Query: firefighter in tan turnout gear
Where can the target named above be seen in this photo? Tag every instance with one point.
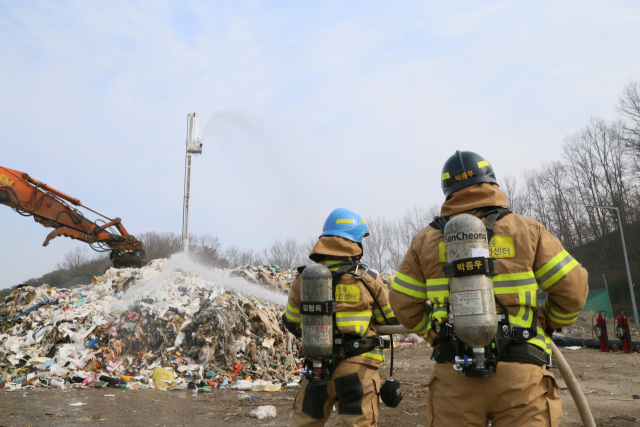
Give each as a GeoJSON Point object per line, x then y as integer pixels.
{"type": "Point", "coordinates": [354, 383]}
{"type": "Point", "coordinates": [520, 391]}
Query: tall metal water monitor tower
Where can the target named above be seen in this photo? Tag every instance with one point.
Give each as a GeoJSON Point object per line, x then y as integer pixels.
{"type": "Point", "coordinates": [194, 146]}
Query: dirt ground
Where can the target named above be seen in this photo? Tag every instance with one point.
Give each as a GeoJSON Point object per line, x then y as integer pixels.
{"type": "Point", "coordinates": [609, 381]}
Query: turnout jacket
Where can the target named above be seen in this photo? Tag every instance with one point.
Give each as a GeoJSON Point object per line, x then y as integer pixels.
{"type": "Point", "coordinates": [356, 307]}
{"type": "Point", "coordinates": [529, 258]}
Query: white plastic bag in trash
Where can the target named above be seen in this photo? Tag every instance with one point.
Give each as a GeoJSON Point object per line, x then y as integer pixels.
{"type": "Point", "coordinates": [263, 412]}
{"type": "Point", "coordinates": [242, 385]}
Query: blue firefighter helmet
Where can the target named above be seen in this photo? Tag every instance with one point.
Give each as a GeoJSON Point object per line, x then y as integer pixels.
{"type": "Point", "coordinates": [345, 223]}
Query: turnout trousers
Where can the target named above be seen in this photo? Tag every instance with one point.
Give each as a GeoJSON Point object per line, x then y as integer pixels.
{"type": "Point", "coordinates": [520, 394]}
{"type": "Point", "coordinates": [354, 388]}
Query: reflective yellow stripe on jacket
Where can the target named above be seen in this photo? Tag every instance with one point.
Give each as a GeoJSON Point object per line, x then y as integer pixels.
{"type": "Point", "coordinates": [555, 269]}
{"type": "Point", "coordinates": [523, 284]}
{"type": "Point", "coordinates": [541, 340]}
{"type": "Point", "coordinates": [409, 286]}
{"type": "Point", "coordinates": [293, 314]}
{"type": "Point", "coordinates": [437, 291]}
{"type": "Point", "coordinates": [556, 316]}
{"type": "Point", "coordinates": [358, 319]}
{"type": "Point", "coordinates": [327, 263]}
{"type": "Point", "coordinates": [376, 354]}
{"type": "Point", "coordinates": [388, 313]}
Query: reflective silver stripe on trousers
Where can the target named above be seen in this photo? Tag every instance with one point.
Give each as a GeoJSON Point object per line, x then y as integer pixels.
{"type": "Point", "coordinates": [549, 274]}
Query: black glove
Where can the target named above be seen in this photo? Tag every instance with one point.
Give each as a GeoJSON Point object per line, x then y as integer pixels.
{"type": "Point", "coordinates": [390, 393]}
{"type": "Point", "coordinates": [549, 330]}
{"type": "Point", "coordinates": [291, 327]}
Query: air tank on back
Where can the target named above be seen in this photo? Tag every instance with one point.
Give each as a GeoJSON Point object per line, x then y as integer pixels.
{"type": "Point", "coordinates": [471, 298]}
{"type": "Point", "coordinates": [317, 330]}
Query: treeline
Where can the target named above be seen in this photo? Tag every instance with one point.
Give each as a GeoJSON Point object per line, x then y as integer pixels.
{"type": "Point", "coordinates": [384, 248]}
{"type": "Point", "coordinates": [599, 166]}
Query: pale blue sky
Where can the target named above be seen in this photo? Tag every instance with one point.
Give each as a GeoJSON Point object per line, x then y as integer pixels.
{"type": "Point", "coordinates": [315, 105]}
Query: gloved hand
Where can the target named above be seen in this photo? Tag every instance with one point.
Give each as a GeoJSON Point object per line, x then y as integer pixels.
{"type": "Point", "coordinates": [390, 393]}
{"type": "Point", "coordinates": [291, 327]}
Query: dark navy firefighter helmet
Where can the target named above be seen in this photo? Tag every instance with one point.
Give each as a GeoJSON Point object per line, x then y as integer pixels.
{"type": "Point", "coordinates": [463, 169]}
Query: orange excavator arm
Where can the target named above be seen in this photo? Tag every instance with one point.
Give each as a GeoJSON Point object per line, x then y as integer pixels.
{"type": "Point", "coordinates": [53, 208]}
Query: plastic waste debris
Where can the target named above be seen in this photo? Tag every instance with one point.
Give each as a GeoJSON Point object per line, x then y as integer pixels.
{"type": "Point", "coordinates": [165, 325]}
{"type": "Point", "coordinates": [261, 385]}
{"type": "Point", "coordinates": [242, 385]}
{"type": "Point", "coordinates": [263, 412]}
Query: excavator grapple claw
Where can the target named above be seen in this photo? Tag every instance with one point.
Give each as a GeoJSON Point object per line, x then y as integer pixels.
{"type": "Point", "coordinates": [53, 208]}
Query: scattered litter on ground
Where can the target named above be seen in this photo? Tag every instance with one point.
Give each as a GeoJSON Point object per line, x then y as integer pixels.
{"type": "Point", "coordinates": [263, 412]}
{"type": "Point", "coordinates": [573, 347]}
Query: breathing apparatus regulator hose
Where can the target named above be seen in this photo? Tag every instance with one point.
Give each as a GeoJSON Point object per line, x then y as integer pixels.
{"type": "Point", "coordinates": [563, 367]}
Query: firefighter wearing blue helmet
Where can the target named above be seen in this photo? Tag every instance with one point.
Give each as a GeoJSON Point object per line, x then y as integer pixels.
{"type": "Point", "coordinates": [347, 224]}
{"type": "Point", "coordinates": [354, 383]}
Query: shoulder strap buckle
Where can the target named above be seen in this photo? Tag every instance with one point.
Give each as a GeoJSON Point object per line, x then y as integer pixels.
{"type": "Point", "coordinates": [365, 268]}
{"type": "Point", "coordinates": [439, 222]}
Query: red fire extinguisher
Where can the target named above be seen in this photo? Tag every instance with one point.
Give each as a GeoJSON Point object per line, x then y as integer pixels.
{"type": "Point", "coordinates": [601, 331]}
{"type": "Point", "coordinates": [622, 332]}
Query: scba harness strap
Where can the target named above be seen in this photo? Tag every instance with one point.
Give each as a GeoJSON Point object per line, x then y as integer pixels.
{"type": "Point", "coordinates": [490, 218]}
{"type": "Point", "coordinates": [348, 388]}
{"type": "Point", "coordinates": [510, 342]}
{"type": "Point", "coordinates": [343, 347]}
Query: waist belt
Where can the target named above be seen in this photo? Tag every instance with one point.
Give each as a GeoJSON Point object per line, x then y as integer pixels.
{"type": "Point", "coordinates": [358, 347]}
{"type": "Point", "coordinates": [523, 353]}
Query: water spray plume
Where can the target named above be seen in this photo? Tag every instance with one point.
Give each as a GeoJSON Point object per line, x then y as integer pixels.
{"type": "Point", "coordinates": [205, 277]}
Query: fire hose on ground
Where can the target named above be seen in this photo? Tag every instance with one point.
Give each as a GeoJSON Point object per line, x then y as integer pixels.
{"type": "Point", "coordinates": [563, 367]}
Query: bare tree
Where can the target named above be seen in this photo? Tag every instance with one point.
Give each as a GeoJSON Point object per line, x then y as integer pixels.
{"type": "Point", "coordinates": [160, 244]}
{"type": "Point", "coordinates": [403, 230]}
{"type": "Point", "coordinates": [629, 108]}
{"type": "Point", "coordinates": [283, 254]}
{"type": "Point", "coordinates": [597, 162]}
{"type": "Point", "coordinates": [74, 258]}
{"type": "Point", "coordinates": [376, 246]}
{"type": "Point", "coordinates": [304, 250]}
{"type": "Point", "coordinates": [206, 249]}
{"type": "Point", "coordinates": [233, 257]}
{"type": "Point", "coordinates": [516, 198]}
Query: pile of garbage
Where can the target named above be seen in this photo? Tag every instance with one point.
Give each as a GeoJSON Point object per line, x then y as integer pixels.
{"type": "Point", "coordinates": [169, 324]}
{"type": "Point", "coordinates": [272, 276]}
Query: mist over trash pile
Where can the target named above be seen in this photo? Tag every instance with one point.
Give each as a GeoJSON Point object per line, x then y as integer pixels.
{"type": "Point", "coordinates": [197, 273]}
{"type": "Point", "coordinates": [172, 323]}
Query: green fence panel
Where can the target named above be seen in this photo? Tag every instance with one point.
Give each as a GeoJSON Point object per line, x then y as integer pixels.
{"type": "Point", "coordinates": [597, 300]}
